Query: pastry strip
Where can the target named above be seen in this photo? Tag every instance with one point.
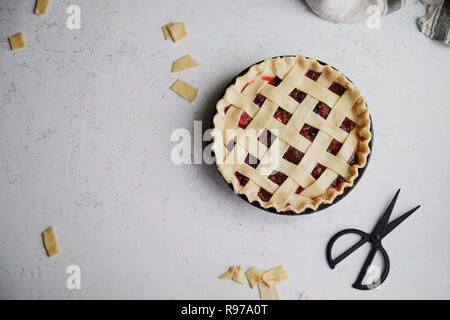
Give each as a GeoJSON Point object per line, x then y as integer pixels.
{"type": "Point", "coordinates": [184, 90]}
{"type": "Point", "coordinates": [177, 31]}
{"type": "Point", "coordinates": [17, 41]}
{"type": "Point", "coordinates": [235, 273]}
{"type": "Point", "coordinates": [184, 63]}
{"type": "Point", "coordinates": [50, 242]}
{"type": "Point", "coordinates": [41, 6]}
{"type": "Point", "coordinates": [165, 29]}
{"type": "Point", "coordinates": [268, 293]}
{"type": "Point", "coordinates": [254, 275]}
{"type": "Point", "coordinates": [267, 281]}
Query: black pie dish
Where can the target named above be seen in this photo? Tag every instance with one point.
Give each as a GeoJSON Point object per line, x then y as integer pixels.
{"type": "Point", "coordinates": [307, 211]}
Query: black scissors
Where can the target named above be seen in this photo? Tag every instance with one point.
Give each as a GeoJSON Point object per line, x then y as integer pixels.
{"type": "Point", "coordinates": [382, 229]}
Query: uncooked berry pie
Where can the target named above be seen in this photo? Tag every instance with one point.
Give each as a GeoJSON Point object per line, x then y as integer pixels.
{"type": "Point", "coordinates": [291, 134]}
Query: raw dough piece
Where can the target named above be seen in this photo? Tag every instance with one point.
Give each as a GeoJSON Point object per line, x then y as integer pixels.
{"type": "Point", "coordinates": [254, 276]}
{"type": "Point", "coordinates": [275, 275]}
{"type": "Point", "coordinates": [239, 275]}
{"type": "Point", "coordinates": [184, 63]}
{"type": "Point", "coordinates": [234, 273]}
{"type": "Point", "coordinates": [268, 293]}
{"type": "Point", "coordinates": [166, 31]}
{"type": "Point", "coordinates": [184, 90]}
{"type": "Point", "coordinates": [267, 281]}
{"type": "Point", "coordinates": [229, 273]}
{"type": "Point", "coordinates": [41, 6]}
{"type": "Point", "coordinates": [177, 31]}
{"type": "Point", "coordinates": [50, 242]}
{"type": "Point", "coordinates": [17, 41]}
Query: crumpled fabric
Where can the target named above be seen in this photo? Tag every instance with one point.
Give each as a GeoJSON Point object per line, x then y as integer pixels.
{"type": "Point", "coordinates": [435, 24]}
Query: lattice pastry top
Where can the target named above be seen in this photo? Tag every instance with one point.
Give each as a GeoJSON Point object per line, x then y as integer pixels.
{"type": "Point", "coordinates": [291, 134]}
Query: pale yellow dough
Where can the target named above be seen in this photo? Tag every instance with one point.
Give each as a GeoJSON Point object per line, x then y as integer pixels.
{"type": "Point", "coordinates": [254, 275]}
{"type": "Point", "coordinates": [184, 90]}
{"type": "Point", "coordinates": [17, 41]}
{"type": "Point", "coordinates": [268, 293]}
{"type": "Point", "coordinates": [41, 6]}
{"type": "Point", "coordinates": [184, 63]}
{"type": "Point", "coordinates": [166, 31]}
{"type": "Point", "coordinates": [275, 275]}
{"type": "Point", "coordinates": [235, 273]}
{"type": "Point", "coordinates": [267, 281]}
{"type": "Point", "coordinates": [177, 31]}
{"type": "Point", "coordinates": [50, 242]}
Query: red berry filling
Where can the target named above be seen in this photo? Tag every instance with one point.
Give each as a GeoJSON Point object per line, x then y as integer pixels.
{"type": "Point", "coordinates": [252, 161]}
{"type": "Point", "coordinates": [293, 155]}
{"type": "Point", "coordinates": [266, 138]}
{"type": "Point", "coordinates": [299, 190]}
{"type": "Point", "coordinates": [259, 100]}
{"type": "Point", "coordinates": [347, 125]}
{"type": "Point", "coordinates": [244, 120]}
{"type": "Point", "coordinates": [322, 110]}
{"type": "Point", "coordinates": [226, 108]}
{"type": "Point", "coordinates": [282, 115]}
{"type": "Point", "coordinates": [354, 158]}
{"type": "Point", "coordinates": [337, 182]}
{"type": "Point", "coordinates": [277, 177]}
{"type": "Point", "coordinates": [318, 170]}
{"type": "Point", "coordinates": [309, 132]}
{"type": "Point", "coordinates": [297, 95]}
{"type": "Point", "coordinates": [264, 195]}
{"type": "Point", "coordinates": [241, 178]}
{"type": "Point", "coordinates": [313, 74]}
{"type": "Point", "coordinates": [334, 147]}
{"type": "Point", "coordinates": [274, 81]}
{"type": "Point", "coordinates": [247, 84]}
{"type": "Point", "coordinates": [230, 145]}
{"type": "Point", "coordinates": [337, 88]}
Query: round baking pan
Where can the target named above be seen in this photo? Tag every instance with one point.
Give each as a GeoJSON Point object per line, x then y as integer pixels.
{"type": "Point", "coordinates": [321, 207]}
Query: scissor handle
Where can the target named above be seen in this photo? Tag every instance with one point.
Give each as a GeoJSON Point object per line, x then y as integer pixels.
{"type": "Point", "coordinates": [376, 246]}
{"type": "Point", "coordinates": [365, 237]}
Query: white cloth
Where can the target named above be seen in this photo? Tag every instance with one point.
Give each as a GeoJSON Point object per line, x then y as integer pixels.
{"type": "Point", "coordinates": [352, 10]}
{"type": "Point", "coordinates": [435, 24]}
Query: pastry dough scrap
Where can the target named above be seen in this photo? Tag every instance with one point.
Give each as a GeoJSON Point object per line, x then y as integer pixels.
{"type": "Point", "coordinates": [229, 273]}
{"type": "Point", "coordinates": [238, 276]}
{"type": "Point", "coordinates": [268, 293]}
{"type": "Point", "coordinates": [267, 281]}
{"type": "Point", "coordinates": [235, 273]}
{"type": "Point", "coordinates": [41, 6]}
{"type": "Point", "coordinates": [17, 41]}
{"type": "Point", "coordinates": [184, 63]}
{"type": "Point", "coordinates": [254, 275]}
{"type": "Point", "coordinates": [184, 90]}
{"type": "Point", "coordinates": [166, 31]}
{"type": "Point", "coordinates": [274, 276]}
{"type": "Point", "coordinates": [50, 242]}
{"type": "Point", "coordinates": [177, 31]}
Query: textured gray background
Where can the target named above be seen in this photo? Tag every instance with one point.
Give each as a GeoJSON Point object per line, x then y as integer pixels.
{"type": "Point", "coordinates": [85, 123]}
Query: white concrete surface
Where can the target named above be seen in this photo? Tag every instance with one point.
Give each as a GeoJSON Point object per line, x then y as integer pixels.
{"type": "Point", "coordinates": [85, 123]}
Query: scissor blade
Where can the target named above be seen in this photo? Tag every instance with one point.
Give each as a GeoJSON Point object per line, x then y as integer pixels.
{"type": "Point", "coordinates": [382, 223]}
{"type": "Point", "coordinates": [394, 224]}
